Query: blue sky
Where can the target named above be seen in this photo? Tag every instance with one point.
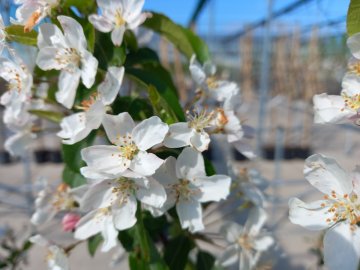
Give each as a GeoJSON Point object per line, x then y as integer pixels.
{"type": "Point", "coordinates": [230, 15]}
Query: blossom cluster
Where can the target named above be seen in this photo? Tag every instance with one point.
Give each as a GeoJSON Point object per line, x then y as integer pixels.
{"type": "Point", "coordinates": [125, 174]}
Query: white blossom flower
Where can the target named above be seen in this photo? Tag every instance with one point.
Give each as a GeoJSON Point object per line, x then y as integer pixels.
{"type": "Point", "coordinates": [129, 149]}
{"type": "Point", "coordinates": [19, 143]}
{"type": "Point", "coordinates": [56, 257]}
{"type": "Point", "coordinates": [19, 83]}
{"type": "Point", "coordinates": [191, 133]}
{"type": "Point", "coordinates": [118, 15]}
{"type": "Point", "coordinates": [246, 243]}
{"type": "Point", "coordinates": [338, 212]}
{"type": "Point", "coordinates": [187, 186]}
{"type": "Point", "coordinates": [115, 204]}
{"type": "Point", "coordinates": [31, 12]}
{"type": "Point", "coordinates": [204, 77]}
{"type": "Point", "coordinates": [49, 202]}
{"type": "Point", "coordinates": [77, 126]}
{"type": "Point", "coordinates": [66, 52]}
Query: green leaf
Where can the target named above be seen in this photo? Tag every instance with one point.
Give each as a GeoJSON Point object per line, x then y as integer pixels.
{"type": "Point", "coordinates": [209, 167]}
{"type": "Point", "coordinates": [161, 80]}
{"type": "Point", "coordinates": [71, 153]}
{"type": "Point", "coordinates": [353, 18]}
{"type": "Point", "coordinates": [138, 108]}
{"type": "Point", "coordinates": [72, 178]}
{"type": "Point", "coordinates": [130, 40]}
{"type": "Point", "coordinates": [93, 243]}
{"type": "Point", "coordinates": [204, 261]}
{"type": "Point", "coordinates": [119, 56]}
{"type": "Point", "coordinates": [104, 49]}
{"type": "Point", "coordinates": [86, 7]}
{"type": "Point", "coordinates": [16, 33]}
{"type": "Point", "coordinates": [177, 252]}
{"type": "Point", "coordinates": [127, 240]}
{"type": "Point", "coordinates": [55, 117]}
{"type": "Point", "coordinates": [142, 56]}
{"type": "Point", "coordinates": [186, 41]}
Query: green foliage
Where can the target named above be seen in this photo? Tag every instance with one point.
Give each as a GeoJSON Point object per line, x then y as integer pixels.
{"type": "Point", "coordinates": [142, 56]}
{"type": "Point", "coordinates": [353, 18]}
{"type": "Point", "coordinates": [204, 261]}
{"type": "Point", "coordinates": [138, 108]}
{"type": "Point", "coordinates": [177, 252]}
{"type": "Point", "coordinates": [185, 40]}
{"type": "Point", "coordinates": [16, 33]}
{"type": "Point", "coordinates": [93, 243]}
{"type": "Point", "coordinates": [155, 77]}
{"type": "Point", "coordinates": [52, 116]}
{"type": "Point", "coordinates": [73, 161]}
{"type": "Point", "coordinates": [85, 7]}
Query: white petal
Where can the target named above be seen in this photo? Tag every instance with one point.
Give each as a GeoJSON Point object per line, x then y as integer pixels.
{"type": "Point", "coordinates": [255, 221]}
{"type": "Point", "coordinates": [145, 163]}
{"type": "Point", "coordinates": [89, 66]}
{"type": "Point", "coordinates": [350, 84]}
{"type": "Point", "coordinates": [353, 43]}
{"type": "Point", "coordinates": [190, 164]}
{"type": "Point", "coordinates": [326, 175]}
{"type": "Point", "coordinates": [124, 214]}
{"type": "Point", "coordinates": [109, 234]}
{"type": "Point", "coordinates": [330, 109]}
{"type": "Point", "coordinates": [19, 143]}
{"type": "Point", "coordinates": [68, 83]}
{"type": "Point", "coordinates": [244, 148]}
{"type": "Point", "coordinates": [89, 225]}
{"type": "Point", "coordinates": [97, 196]}
{"type": "Point", "coordinates": [230, 256]}
{"type": "Point", "coordinates": [43, 215]}
{"type": "Point", "coordinates": [197, 74]}
{"type": "Point", "coordinates": [118, 125]}
{"type": "Point", "coordinates": [50, 36]}
{"type": "Point", "coordinates": [73, 128]}
{"type": "Point", "coordinates": [117, 35]}
{"type": "Point", "coordinates": [166, 174]}
{"type": "Point", "coordinates": [105, 158]}
{"type": "Point", "coordinates": [342, 247]}
{"type": "Point", "coordinates": [190, 215]}
{"type": "Point", "coordinates": [311, 216]}
{"type": "Point", "coordinates": [232, 231]}
{"type": "Point", "coordinates": [101, 23]}
{"type": "Point", "coordinates": [39, 240]}
{"type": "Point", "coordinates": [200, 141]}
{"type": "Point", "coordinates": [149, 132]}
{"type": "Point", "coordinates": [110, 87]}
{"type": "Point", "coordinates": [224, 90]}
{"type": "Point", "coordinates": [154, 195]}
{"type": "Point", "coordinates": [213, 188]}
{"type": "Point", "coordinates": [46, 59]}
{"type": "Point", "coordinates": [179, 135]}
{"type": "Point", "coordinates": [95, 115]}
{"type": "Point", "coordinates": [73, 33]}
{"type": "Point", "coordinates": [263, 242]}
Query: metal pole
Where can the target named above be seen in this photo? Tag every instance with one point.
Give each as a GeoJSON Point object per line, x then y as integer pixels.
{"type": "Point", "coordinates": [264, 79]}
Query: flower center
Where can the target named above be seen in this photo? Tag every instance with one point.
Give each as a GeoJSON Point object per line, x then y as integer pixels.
{"type": "Point", "coordinates": [244, 242]}
{"type": "Point", "coordinates": [32, 21]}
{"type": "Point", "coordinates": [87, 103]}
{"type": "Point", "coordinates": [62, 199]}
{"type": "Point", "coordinates": [201, 120]}
{"type": "Point", "coordinates": [183, 190]}
{"type": "Point", "coordinates": [355, 68]}
{"type": "Point", "coordinates": [342, 208]}
{"type": "Point", "coordinates": [123, 189]}
{"type": "Point", "coordinates": [119, 19]}
{"type": "Point", "coordinates": [127, 148]}
{"type": "Point", "coordinates": [351, 102]}
{"type": "Point", "coordinates": [221, 119]}
{"type": "Point", "coordinates": [212, 82]}
{"type": "Point", "coordinates": [68, 58]}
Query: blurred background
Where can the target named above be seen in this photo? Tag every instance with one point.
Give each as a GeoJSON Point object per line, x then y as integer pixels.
{"type": "Point", "coordinates": [281, 53]}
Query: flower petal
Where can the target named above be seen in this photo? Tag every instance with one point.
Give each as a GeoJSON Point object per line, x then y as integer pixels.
{"type": "Point", "coordinates": [326, 175]}
{"type": "Point", "coordinates": [231, 231]}
{"type": "Point", "coordinates": [255, 221]}
{"type": "Point", "coordinates": [342, 247]}
{"type": "Point", "coordinates": [89, 65]}
{"type": "Point", "coordinates": [110, 87]}
{"type": "Point", "coordinates": [154, 195]}
{"type": "Point", "coordinates": [89, 225]}
{"type": "Point", "coordinates": [124, 213]}
{"type": "Point", "coordinates": [312, 216]}
{"type": "Point", "coordinates": [353, 43]}
{"type": "Point", "coordinates": [213, 188]}
{"type": "Point", "coordinates": [149, 132]}
{"type": "Point", "coordinates": [166, 174]}
{"type": "Point", "coordinates": [73, 33]}
{"type": "Point", "coordinates": [145, 163]}
{"type": "Point", "coordinates": [190, 215]}
{"type": "Point", "coordinates": [118, 125]}
{"type": "Point", "coordinates": [200, 141]}
{"type": "Point", "coordinates": [110, 234]}
{"type": "Point", "coordinates": [105, 158]}
{"type": "Point", "coordinates": [101, 23]}
{"type": "Point", "coordinates": [117, 35]}
{"type": "Point", "coordinates": [179, 135]}
{"type": "Point", "coordinates": [97, 196]}
{"type": "Point", "coordinates": [230, 256]}
{"type": "Point", "coordinates": [190, 164]}
{"type": "Point", "coordinates": [50, 36]}
{"type": "Point", "coordinates": [68, 83]}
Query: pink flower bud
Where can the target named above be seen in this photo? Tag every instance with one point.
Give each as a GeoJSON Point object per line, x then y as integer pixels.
{"type": "Point", "coordinates": [69, 221]}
